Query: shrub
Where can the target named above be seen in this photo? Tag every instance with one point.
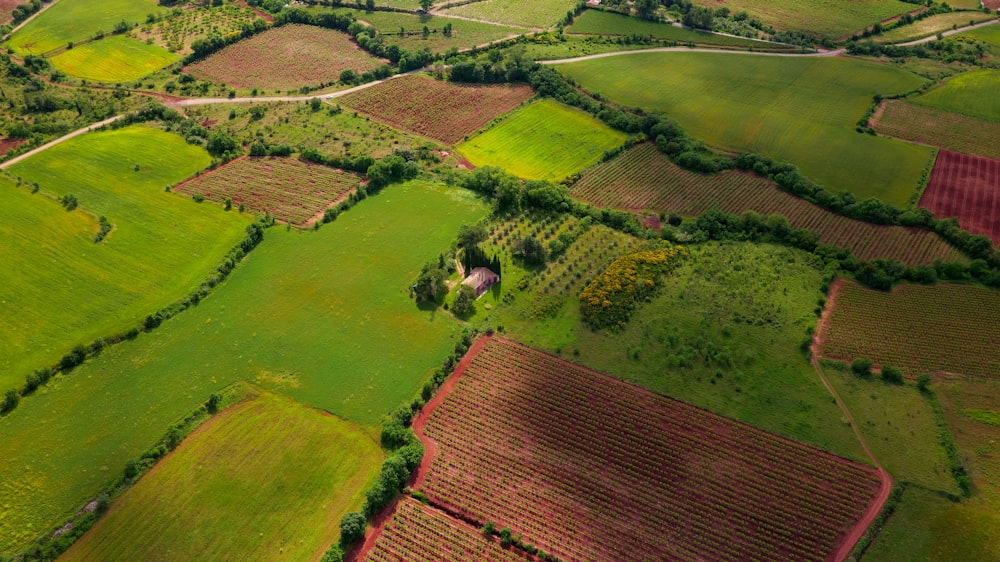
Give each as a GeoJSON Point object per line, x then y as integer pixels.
{"type": "Point", "coordinates": [892, 374]}
{"type": "Point", "coordinates": [862, 367]}
{"type": "Point", "coordinates": [352, 528]}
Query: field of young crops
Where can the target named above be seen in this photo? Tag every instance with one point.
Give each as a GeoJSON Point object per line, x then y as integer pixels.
{"type": "Point", "coordinates": [113, 59]}
{"type": "Point", "coordinates": [930, 26]}
{"type": "Point", "coordinates": [966, 187]}
{"type": "Point", "coordinates": [833, 18]}
{"type": "Point", "coordinates": [971, 93]}
{"type": "Point", "coordinates": [937, 127]}
{"type": "Point", "coordinates": [266, 479]}
{"type": "Point", "coordinates": [598, 22]}
{"type": "Point", "coordinates": [286, 57]}
{"type": "Point", "coordinates": [545, 140]}
{"type": "Point", "coordinates": [524, 13]}
{"type": "Point", "coordinates": [437, 109]}
{"type": "Point", "coordinates": [643, 178]}
{"type": "Point", "coordinates": [946, 328]}
{"type": "Point", "coordinates": [69, 21]}
{"type": "Point", "coordinates": [588, 467]}
{"type": "Point", "coordinates": [176, 33]}
{"type": "Point", "coordinates": [799, 110]}
{"type": "Point", "coordinates": [290, 189]}
{"type": "Point", "coordinates": [418, 533]}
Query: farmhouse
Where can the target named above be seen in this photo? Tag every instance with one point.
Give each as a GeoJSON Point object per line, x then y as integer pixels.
{"type": "Point", "coordinates": [481, 279]}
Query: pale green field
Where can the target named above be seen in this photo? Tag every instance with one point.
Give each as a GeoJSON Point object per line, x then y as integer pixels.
{"type": "Point", "coordinates": [59, 288]}
{"type": "Point", "coordinates": [114, 59]}
{"type": "Point", "coordinates": [597, 22]}
{"type": "Point", "coordinates": [75, 20]}
{"type": "Point", "coordinates": [545, 140]}
{"type": "Point", "coordinates": [989, 34]}
{"type": "Point", "coordinates": [834, 18]}
{"type": "Point", "coordinates": [524, 13]}
{"type": "Point", "coordinates": [931, 25]}
{"type": "Point", "coordinates": [266, 479]}
{"type": "Point", "coordinates": [973, 93]}
{"type": "Point", "coordinates": [800, 110]}
{"type": "Point", "coordinates": [324, 317]}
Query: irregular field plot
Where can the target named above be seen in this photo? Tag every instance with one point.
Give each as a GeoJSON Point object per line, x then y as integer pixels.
{"type": "Point", "coordinates": [817, 17]}
{"type": "Point", "coordinates": [290, 189]}
{"type": "Point", "coordinates": [545, 141]}
{"type": "Point", "coordinates": [527, 13]}
{"type": "Point", "coordinates": [989, 34]}
{"type": "Point", "coordinates": [267, 479]}
{"type": "Point", "coordinates": [972, 93]}
{"type": "Point", "coordinates": [800, 110]}
{"type": "Point", "coordinates": [937, 127]}
{"type": "Point", "coordinates": [176, 33]}
{"type": "Point", "coordinates": [921, 329]}
{"type": "Point", "coordinates": [929, 26]}
{"type": "Point", "coordinates": [437, 109]}
{"type": "Point", "coordinates": [61, 289]}
{"type": "Point", "coordinates": [464, 33]}
{"type": "Point", "coordinates": [417, 533]}
{"type": "Point", "coordinates": [76, 20]}
{"type": "Point", "coordinates": [598, 22]}
{"type": "Point", "coordinates": [644, 178]}
{"type": "Point", "coordinates": [966, 187]}
{"type": "Point", "coordinates": [591, 468]}
{"type": "Point", "coordinates": [324, 317]}
{"type": "Point", "coordinates": [287, 57]}
{"type": "Point", "coordinates": [115, 59]}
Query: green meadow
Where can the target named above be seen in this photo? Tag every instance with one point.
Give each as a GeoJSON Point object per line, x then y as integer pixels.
{"type": "Point", "coordinates": [60, 289]}
{"type": "Point", "coordinates": [324, 317]}
{"type": "Point", "coordinates": [115, 59]}
{"type": "Point", "coordinates": [989, 34]}
{"type": "Point", "coordinates": [834, 18]}
{"type": "Point", "coordinates": [266, 479]}
{"type": "Point", "coordinates": [597, 22]}
{"type": "Point", "coordinates": [69, 21]}
{"type": "Point", "coordinates": [800, 110]}
{"type": "Point", "coordinates": [464, 34]}
{"type": "Point", "coordinates": [973, 93]}
{"type": "Point", "coordinates": [545, 140]}
{"type": "Point", "coordinates": [524, 13]}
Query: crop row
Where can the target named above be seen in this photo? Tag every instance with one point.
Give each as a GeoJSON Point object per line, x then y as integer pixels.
{"type": "Point", "coordinates": [937, 127]}
{"type": "Point", "coordinates": [967, 187]}
{"type": "Point", "coordinates": [644, 178]}
{"type": "Point", "coordinates": [589, 467]}
{"type": "Point", "coordinates": [921, 329]}
{"type": "Point", "coordinates": [288, 188]}
{"type": "Point", "coordinates": [437, 109]}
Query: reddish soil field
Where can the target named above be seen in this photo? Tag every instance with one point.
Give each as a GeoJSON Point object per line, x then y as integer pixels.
{"type": "Point", "coordinates": [588, 467]}
{"type": "Point", "coordinates": [6, 145]}
{"type": "Point", "coordinates": [935, 127]}
{"type": "Point", "coordinates": [287, 57]}
{"type": "Point", "coordinates": [645, 179]}
{"type": "Point", "coordinates": [967, 187]}
{"type": "Point", "coordinates": [418, 533]}
{"type": "Point", "coordinates": [7, 9]}
{"type": "Point", "coordinates": [957, 329]}
{"type": "Point", "coordinates": [437, 109]}
{"type": "Point", "coordinates": [290, 189]}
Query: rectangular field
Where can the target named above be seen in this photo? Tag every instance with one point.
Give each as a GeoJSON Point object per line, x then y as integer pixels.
{"type": "Point", "coordinates": [643, 178]}
{"type": "Point", "coordinates": [799, 110]}
{"type": "Point", "coordinates": [944, 328]}
{"type": "Point", "coordinates": [440, 110]}
{"type": "Point", "coordinates": [834, 18]}
{"type": "Point", "coordinates": [113, 59]}
{"type": "Point", "coordinates": [75, 20]}
{"type": "Point", "coordinates": [588, 467]}
{"type": "Point", "coordinates": [286, 57]}
{"type": "Point", "coordinates": [598, 22]}
{"type": "Point", "coordinates": [937, 127]}
{"type": "Point", "coordinates": [464, 33]}
{"type": "Point", "coordinates": [523, 13]}
{"type": "Point", "coordinates": [266, 479]}
{"type": "Point", "coordinates": [545, 140]}
{"type": "Point", "coordinates": [966, 187]}
{"type": "Point", "coordinates": [291, 190]}
{"type": "Point", "coordinates": [971, 93]}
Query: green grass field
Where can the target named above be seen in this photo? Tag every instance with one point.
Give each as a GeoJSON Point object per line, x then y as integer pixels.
{"type": "Point", "coordinates": [465, 33]}
{"type": "Point", "coordinates": [266, 479]}
{"type": "Point", "coordinates": [545, 140]}
{"type": "Point", "coordinates": [61, 289]}
{"type": "Point", "coordinates": [801, 110]}
{"type": "Point", "coordinates": [324, 317]}
{"type": "Point", "coordinates": [973, 94]}
{"type": "Point", "coordinates": [597, 22]}
{"type": "Point", "coordinates": [989, 34]}
{"type": "Point", "coordinates": [115, 59]}
{"type": "Point", "coordinates": [834, 18]}
{"type": "Point", "coordinates": [930, 26]}
{"type": "Point", "coordinates": [76, 20]}
{"type": "Point", "coordinates": [523, 13]}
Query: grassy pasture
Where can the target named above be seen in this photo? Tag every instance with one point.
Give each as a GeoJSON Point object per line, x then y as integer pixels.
{"type": "Point", "coordinates": [834, 18]}
{"type": "Point", "coordinates": [930, 26]}
{"type": "Point", "coordinates": [544, 140]}
{"type": "Point", "coordinates": [61, 288]}
{"type": "Point", "coordinates": [989, 34]}
{"type": "Point", "coordinates": [973, 94]}
{"type": "Point", "coordinates": [266, 479]}
{"type": "Point", "coordinates": [523, 13]}
{"type": "Point", "coordinates": [465, 33]}
{"type": "Point", "coordinates": [801, 110]}
{"type": "Point", "coordinates": [324, 317]}
{"type": "Point", "coordinates": [597, 22]}
{"type": "Point", "coordinates": [76, 20]}
{"type": "Point", "coordinates": [114, 59]}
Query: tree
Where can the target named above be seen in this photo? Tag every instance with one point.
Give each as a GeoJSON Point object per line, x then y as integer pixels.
{"type": "Point", "coordinates": [10, 401]}
{"type": "Point", "coordinates": [892, 374]}
{"type": "Point", "coordinates": [646, 9]}
{"type": "Point", "coordinates": [862, 367]}
{"type": "Point", "coordinates": [425, 5]}
{"type": "Point", "coordinates": [220, 143]}
{"type": "Point", "coordinates": [465, 302]}
{"type": "Point", "coordinates": [530, 250]}
{"type": "Point", "coordinates": [471, 235]}
{"type": "Point", "coordinates": [348, 76]}
{"type": "Point", "coordinates": [352, 528]}
{"type": "Point", "coordinates": [430, 284]}
{"type": "Point", "coordinates": [922, 382]}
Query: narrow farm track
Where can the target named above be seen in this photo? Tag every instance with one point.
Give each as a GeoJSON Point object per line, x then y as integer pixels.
{"type": "Point", "coordinates": [948, 33]}
{"type": "Point", "coordinates": [61, 139]}
{"type": "Point", "coordinates": [835, 53]}
{"type": "Point", "coordinates": [849, 542]}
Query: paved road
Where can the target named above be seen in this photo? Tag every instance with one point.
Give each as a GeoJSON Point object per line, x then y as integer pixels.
{"type": "Point", "coordinates": [947, 33]}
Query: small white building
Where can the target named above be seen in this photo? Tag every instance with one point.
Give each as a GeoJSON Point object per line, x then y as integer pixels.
{"type": "Point", "coordinates": [481, 279]}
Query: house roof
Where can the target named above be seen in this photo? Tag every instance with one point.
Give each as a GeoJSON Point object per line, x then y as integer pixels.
{"type": "Point", "coordinates": [478, 276]}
